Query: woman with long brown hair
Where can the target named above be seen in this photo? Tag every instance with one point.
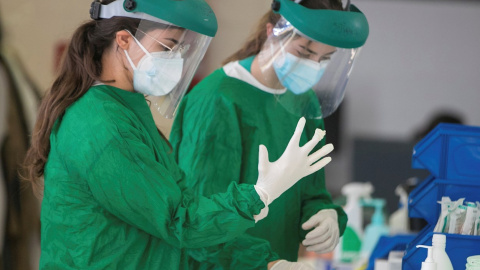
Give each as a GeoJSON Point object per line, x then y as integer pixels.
{"type": "Point", "coordinates": [113, 196]}
{"type": "Point", "coordinates": [295, 64]}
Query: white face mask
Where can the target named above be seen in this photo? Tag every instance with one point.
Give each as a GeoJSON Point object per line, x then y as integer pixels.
{"type": "Point", "coordinates": [157, 73]}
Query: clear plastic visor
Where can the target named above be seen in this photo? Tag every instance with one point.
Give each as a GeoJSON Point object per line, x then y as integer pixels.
{"type": "Point", "coordinates": [314, 74]}
{"type": "Point", "coordinates": [165, 58]}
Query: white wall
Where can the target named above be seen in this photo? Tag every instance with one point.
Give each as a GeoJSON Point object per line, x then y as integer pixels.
{"type": "Point", "coordinates": [421, 57]}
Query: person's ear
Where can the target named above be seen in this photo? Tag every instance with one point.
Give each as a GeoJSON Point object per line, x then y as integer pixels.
{"type": "Point", "coordinates": [269, 29]}
{"type": "Point", "coordinates": [123, 39]}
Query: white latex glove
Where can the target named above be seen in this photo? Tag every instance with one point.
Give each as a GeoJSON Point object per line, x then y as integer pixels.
{"type": "Point", "coordinates": [286, 265]}
{"type": "Point", "coordinates": [324, 238]}
{"type": "Point", "coordinates": [295, 163]}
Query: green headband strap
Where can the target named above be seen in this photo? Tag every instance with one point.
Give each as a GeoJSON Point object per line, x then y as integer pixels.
{"type": "Point", "coordinates": [195, 15]}
{"type": "Point", "coordinates": [343, 29]}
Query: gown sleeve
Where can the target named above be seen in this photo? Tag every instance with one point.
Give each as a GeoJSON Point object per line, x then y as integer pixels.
{"type": "Point", "coordinates": [244, 252]}
{"type": "Point", "coordinates": [131, 182]}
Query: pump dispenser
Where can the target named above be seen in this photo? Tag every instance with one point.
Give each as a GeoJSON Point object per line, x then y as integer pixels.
{"type": "Point", "coordinates": [429, 263]}
{"type": "Point", "coordinates": [350, 244]}
{"type": "Point", "coordinates": [375, 229]}
{"type": "Point", "coordinates": [439, 242]}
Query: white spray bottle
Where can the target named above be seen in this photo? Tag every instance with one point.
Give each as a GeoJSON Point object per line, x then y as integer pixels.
{"type": "Point", "coordinates": [348, 249]}
{"type": "Point", "coordinates": [399, 221]}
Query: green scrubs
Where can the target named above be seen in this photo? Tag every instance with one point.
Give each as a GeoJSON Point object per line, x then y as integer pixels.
{"type": "Point", "coordinates": [114, 196]}
{"type": "Point", "coordinates": [216, 135]}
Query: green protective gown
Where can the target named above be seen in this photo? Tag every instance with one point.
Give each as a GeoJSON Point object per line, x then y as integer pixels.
{"type": "Point", "coordinates": [114, 196]}
{"type": "Point", "coordinates": [216, 136]}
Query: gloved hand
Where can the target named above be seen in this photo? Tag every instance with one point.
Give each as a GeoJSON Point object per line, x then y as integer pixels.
{"type": "Point", "coordinates": [295, 163]}
{"type": "Point", "coordinates": [324, 238]}
{"type": "Point", "coordinates": [286, 265]}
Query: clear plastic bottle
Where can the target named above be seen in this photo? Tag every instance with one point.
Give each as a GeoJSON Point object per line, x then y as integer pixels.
{"type": "Point", "coordinates": [440, 256]}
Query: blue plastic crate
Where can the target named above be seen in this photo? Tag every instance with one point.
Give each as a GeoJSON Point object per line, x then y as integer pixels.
{"type": "Point", "coordinates": [388, 243]}
{"type": "Point", "coordinates": [423, 200]}
{"type": "Point", "coordinates": [415, 211]}
{"type": "Point", "coordinates": [458, 248]}
{"type": "Point", "coordinates": [450, 151]}
{"type": "Point", "coordinates": [418, 238]}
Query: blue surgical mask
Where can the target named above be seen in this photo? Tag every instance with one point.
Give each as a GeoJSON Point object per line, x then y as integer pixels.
{"type": "Point", "coordinates": [157, 73]}
{"type": "Point", "coordinates": [298, 74]}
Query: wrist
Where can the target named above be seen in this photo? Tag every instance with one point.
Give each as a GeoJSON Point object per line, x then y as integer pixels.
{"type": "Point", "coordinates": [262, 194]}
{"type": "Point", "coordinates": [271, 264]}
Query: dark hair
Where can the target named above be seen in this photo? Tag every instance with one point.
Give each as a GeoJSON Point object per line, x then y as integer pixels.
{"type": "Point", "coordinates": [81, 67]}
{"type": "Point", "coordinates": [255, 42]}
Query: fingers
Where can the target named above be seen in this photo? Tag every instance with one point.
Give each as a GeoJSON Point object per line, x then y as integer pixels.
{"type": "Point", "coordinates": [326, 246]}
{"type": "Point", "coordinates": [310, 223]}
{"type": "Point", "coordinates": [319, 165]}
{"type": "Point", "coordinates": [295, 140]}
{"type": "Point", "coordinates": [319, 235]}
{"type": "Point", "coordinates": [325, 150]}
{"type": "Point", "coordinates": [262, 157]}
{"type": "Point", "coordinates": [317, 137]}
{"type": "Point", "coordinates": [323, 247]}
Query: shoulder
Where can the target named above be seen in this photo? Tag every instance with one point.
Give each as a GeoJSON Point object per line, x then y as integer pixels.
{"type": "Point", "coordinates": [213, 90]}
{"type": "Point", "coordinates": [96, 117]}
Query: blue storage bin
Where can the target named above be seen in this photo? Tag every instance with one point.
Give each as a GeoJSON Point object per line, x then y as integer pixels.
{"type": "Point", "coordinates": [423, 202]}
{"type": "Point", "coordinates": [388, 243]}
{"type": "Point", "coordinates": [458, 248]}
{"type": "Point", "coordinates": [418, 239]}
{"type": "Point", "coordinates": [450, 151]}
{"type": "Point", "coordinates": [415, 211]}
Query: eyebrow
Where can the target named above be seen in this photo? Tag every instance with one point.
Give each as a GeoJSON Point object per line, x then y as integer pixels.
{"type": "Point", "coordinates": [308, 50]}
{"type": "Point", "coordinates": [175, 42]}
{"type": "Point", "coordinates": [330, 53]}
{"type": "Point", "coordinates": [172, 40]}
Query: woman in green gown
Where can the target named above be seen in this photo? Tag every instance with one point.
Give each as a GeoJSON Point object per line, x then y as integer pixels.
{"type": "Point", "coordinates": [113, 195]}
{"type": "Point", "coordinates": [255, 98]}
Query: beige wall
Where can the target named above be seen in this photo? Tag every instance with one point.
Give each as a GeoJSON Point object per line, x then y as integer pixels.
{"type": "Point", "coordinates": [35, 27]}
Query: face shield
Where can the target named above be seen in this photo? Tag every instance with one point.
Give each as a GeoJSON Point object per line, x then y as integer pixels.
{"type": "Point", "coordinates": [313, 69]}
{"type": "Point", "coordinates": [165, 54]}
{"type": "Point", "coordinates": [167, 58]}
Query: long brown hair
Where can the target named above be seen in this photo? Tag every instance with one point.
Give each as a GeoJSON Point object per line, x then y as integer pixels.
{"type": "Point", "coordinates": [256, 40]}
{"type": "Point", "coordinates": [81, 67]}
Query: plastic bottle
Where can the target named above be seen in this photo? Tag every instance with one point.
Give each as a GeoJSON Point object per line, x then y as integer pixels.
{"type": "Point", "coordinates": [439, 254]}
{"type": "Point", "coordinates": [429, 263]}
{"type": "Point", "coordinates": [350, 244]}
{"type": "Point", "coordinates": [375, 229]}
{"type": "Point", "coordinates": [399, 222]}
